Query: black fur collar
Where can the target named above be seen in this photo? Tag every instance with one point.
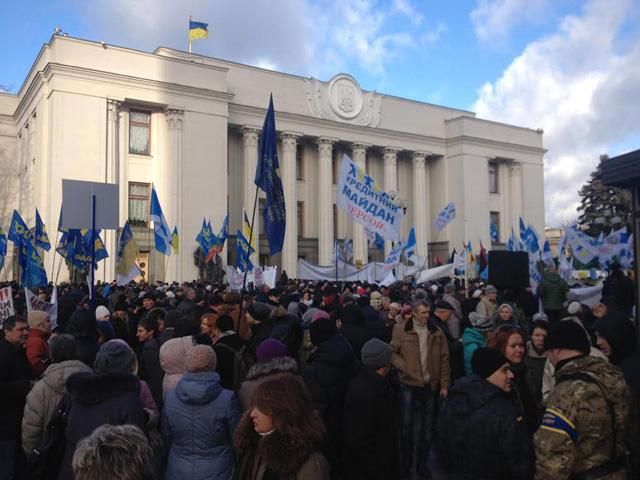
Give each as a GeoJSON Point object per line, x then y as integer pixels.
{"type": "Point", "coordinates": [92, 388]}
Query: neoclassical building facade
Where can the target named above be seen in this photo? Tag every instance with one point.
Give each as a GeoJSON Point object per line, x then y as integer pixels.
{"type": "Point", "coordinates": [190, 126]}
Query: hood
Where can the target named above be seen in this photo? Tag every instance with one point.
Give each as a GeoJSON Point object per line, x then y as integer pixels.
{"type": "Point", "coordinates": [335, 351]}
{"type": "Point", "coordinates": [94, 388]}
{"type": "Point", "coordinates": [473, 336]}
{"type": "Point", "coordinates": [471, 393]}
{"type": "Point", "coordinates": [609, 376]}
{"type": "Point", "coordinates": [619, 332]}
{"type": "Point", "coordinates": [82, 324]}
{"type": "Point", "coordinates": [173, 353]}
{"type": "Point", "coordinates": [57, 374]}
{"type": "Point", "coordinates": [275, 365]}
{"type": "Point", "coordinates": [199, 388]}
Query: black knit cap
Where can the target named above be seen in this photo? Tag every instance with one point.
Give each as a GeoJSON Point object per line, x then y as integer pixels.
{"type": "Point", "coordinates": [568, 335]}
{"type": "Point", "coordinates": [322, 330]}
{"type": "Point", "coordinates": [485, 361]}
{"type": "Point", "coordinates": [442, 305]}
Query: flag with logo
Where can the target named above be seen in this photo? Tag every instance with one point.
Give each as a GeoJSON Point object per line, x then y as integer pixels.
{"type": "Point", "coordinates": [268, 180]}
{"type": "Point", "coordinates": [445, 217]}
{"type": "Point", "coordinates": [32, 273]}
{"type": "Point", "coordinates": [547, 256]}
{"type": "Point", "coordinates": [41, 237]}
{"type": "Point", "coordinates": [393, 259]}
{"type": "Point", "coordinates": [3, 247]}
{"type": "Point", "coordinates": [410, 245]}
{"type": "Point", "coordinates": [243, 253]}
{"type": "Point", "coordinates": [161, 232]}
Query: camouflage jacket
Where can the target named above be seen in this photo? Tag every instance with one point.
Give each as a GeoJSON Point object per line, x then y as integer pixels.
{"type": "Point", "coordinates": [576, 432]}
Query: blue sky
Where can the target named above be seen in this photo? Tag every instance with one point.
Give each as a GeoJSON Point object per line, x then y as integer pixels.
{"type": "Point", "coordinates": [569, 67]}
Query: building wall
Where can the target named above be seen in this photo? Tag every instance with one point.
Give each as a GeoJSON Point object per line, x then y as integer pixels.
{"type": "Point", "coordinates": [70, 119]}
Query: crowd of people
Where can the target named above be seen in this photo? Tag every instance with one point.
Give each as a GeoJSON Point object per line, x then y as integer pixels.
{"type": "Point", "coordinates": [321, 380]}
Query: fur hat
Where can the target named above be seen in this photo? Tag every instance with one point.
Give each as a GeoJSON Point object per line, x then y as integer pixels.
{"type": "Point", "coordinates": [322, 330]}
{"type": "Point", "coordinates": [36, 318]}
{"type": "Point", "coordinates": [375, 354]}
{"type": "Point", "coordinates": [201, 358]}
{"type": "Point", "coordinates": [485, 361]}
{"type": "Point", "coordinates": [569, 335]}
{"type": "Point", "coordinates": [259, 311]}
{"type": "Point", "coordinates": [270, 348]}
{"type": "Point", "coordinates": [101, 312]}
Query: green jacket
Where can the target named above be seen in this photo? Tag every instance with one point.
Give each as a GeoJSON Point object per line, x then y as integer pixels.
{"type": "Point", "coordinates": [553, 290]}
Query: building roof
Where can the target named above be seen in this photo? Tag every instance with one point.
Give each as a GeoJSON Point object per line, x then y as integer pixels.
{"type": "Point", "coordinates": [623, 170]}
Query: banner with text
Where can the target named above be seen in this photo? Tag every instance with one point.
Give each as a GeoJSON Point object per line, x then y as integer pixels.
{"type": "Point", "coordinates": [368, 205]}
{"type": "Point", "coordinates": [6, 304]}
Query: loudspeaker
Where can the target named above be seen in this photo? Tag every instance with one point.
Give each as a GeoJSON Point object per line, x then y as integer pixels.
{"type": "Point", "coordinates": [508, 269]}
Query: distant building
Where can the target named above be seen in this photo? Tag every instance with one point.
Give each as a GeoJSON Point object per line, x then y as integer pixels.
{"type": "Point", "coordinates": [190, 125]}
{"type": "Point", "coordinates": [554, 235]}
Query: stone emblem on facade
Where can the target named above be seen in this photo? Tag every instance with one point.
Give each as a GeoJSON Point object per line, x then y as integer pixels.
{"type": "Point", "coordinates": [342, 99]}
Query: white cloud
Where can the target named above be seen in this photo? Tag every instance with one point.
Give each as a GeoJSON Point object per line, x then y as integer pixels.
{"type": "Point", "coordinates": [493, 20]}
{"type": "Point", "coordinates": [582, 88]}
{"type": "Point", "coordinates": [406, 8]}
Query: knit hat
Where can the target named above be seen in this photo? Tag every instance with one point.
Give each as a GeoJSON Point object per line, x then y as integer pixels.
{"type": "Point", "coordinates": [442, 305]}
{"type": "Point", "coordinates": [101, 312]}
{"type": "Point", "coordinates": [149, 296]}
{"type": "Point", "coordinates": [480, 322]}
{"type": "Point", "coordinates": [115, 356]}
{"type": "Point", "coordinates": [322, 330]}
{"type": "Point", "coordinates": [106, 329]}
{"type": "Point", "coordinates": [485, 361]}
{"type": "Point", "coordinates": [172, 318]}
{"type": "Point", "coordinates": [395, 306]}
{"type": "Point", "coordinates": [406, 309]}
{"type": "Point", "coordinates": [375, 296]}
{"type": "Point", "coordinates": [375, 354]}
{"type": "Point", "coordinates": [121, 304]}
{"type": "Point", "coordinates": [35, 318]}
{"type": "Point", "coordinates": [269, 349]}
{"type": "Point", "coordinates": [476, 293]}
{"type": "Point", "coordinates": [540, 316]}
{"type": "Point", "coordinates": [490, 289]}
{"type": "Point", "coordinates": [201, 358]}
{"type": "Point", "coordinates": [569, 335]}
{"type": "Point", "coordinates": [259, 311]}
{"type": "Point", "coordinates": [319, 314]}
{"type": "Point", "coordinates": [506, 305]}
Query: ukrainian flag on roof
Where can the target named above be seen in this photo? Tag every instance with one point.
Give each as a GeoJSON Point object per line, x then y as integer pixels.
{"type": "Point", "coordinates": [198, 30]}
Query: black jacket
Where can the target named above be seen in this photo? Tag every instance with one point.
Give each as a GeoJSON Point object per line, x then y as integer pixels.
{"type": "Point", "coordinates": [15, 376]}
{"type": "Point", "coordinates": [99, 399]}
{"type": "Point", "coordinates": [481, 434]}
{"type": "Point", "coordinates": [150, 369]}
{"type": "Point", "coordinates": [370, 430]}
{"type": "Point", "coordinates": [226, 358]}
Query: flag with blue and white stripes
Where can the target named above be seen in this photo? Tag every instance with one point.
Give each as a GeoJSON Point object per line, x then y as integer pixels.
{"type": "Point", "coordinates": [161, 232]}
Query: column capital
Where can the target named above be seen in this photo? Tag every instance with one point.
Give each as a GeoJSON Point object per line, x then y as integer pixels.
{"type": "Point", "coordinates": [391, 150]}
{"type": "Point", "coordinates": [113, 109]}
{"type": "Point", "coordinates": [326, 141]}
{"type": "Point", "coordinates": [360, 146]}
{"type": "Point", "coordinates": [289, 139]}
{"type": "Point", "coordinates": [175, 118]}
{"type": "Point", "coordinates": [516, 168]}
{"type": "Point", "coordinates": [419, 158]}
{"type": "Point", "coordinates": [250, 135]}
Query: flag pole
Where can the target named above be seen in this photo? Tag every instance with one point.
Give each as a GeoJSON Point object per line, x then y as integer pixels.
{"type": "Point", "coordinates": [189, 34]}
{"type": "Point", "coordinates": [55, 250]}
{"type": "Point", "coordinates": [253, 216]}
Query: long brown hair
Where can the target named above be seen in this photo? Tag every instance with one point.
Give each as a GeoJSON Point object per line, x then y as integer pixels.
{"type": "Point", "coordinates": [499, 338]}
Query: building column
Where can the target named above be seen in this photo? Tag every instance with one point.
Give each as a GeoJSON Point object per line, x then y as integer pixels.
{"type": "Point", "coordinates": [112, 172]}
{"type": "Point", "coordinates": [516, 195]}
{"type": "Point", "coordinates": [175, 120]}
{"type": "Point", "coordinates": [390, 181]}
{"type": "Point", "coordinates": [360, 247]}
{"type": "Point", "coordinates": [289, 179]}
{"type": "Point", "coordinates": [325, 201]}
{"type": "Point", "coordinates": [421, 207]}
{"type": "Point", "coordinates": [250, 136]}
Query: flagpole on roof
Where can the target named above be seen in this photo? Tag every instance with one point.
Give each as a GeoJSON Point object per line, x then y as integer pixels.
{"type": "Point", "coordinates": [189, 35]}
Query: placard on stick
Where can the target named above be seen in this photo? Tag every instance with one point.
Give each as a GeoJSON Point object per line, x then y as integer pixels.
{"type": "Point", "coordinates": [77, 204]}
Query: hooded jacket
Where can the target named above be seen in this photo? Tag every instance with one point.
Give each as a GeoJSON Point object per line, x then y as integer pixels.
{"type": "Point", "coordinates": [37, 350]}
{"type": "Point", "coordinates": [172, 360]}
{"type": "Point", "coordinates": [99, 399]}
{"type": "Point", "coordinates": [472, 340]}
{"type": "Point", "coordinates": [198, 423]}
{"type": "Point", "coordinates": [553, 290]}
{"type": "Point", "coordinates": [43, 399]}
{"type": "Point", "coordinates": [481, 434]}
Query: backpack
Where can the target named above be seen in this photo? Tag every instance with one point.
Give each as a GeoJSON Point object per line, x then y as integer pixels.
{"type": "Point", "coordinates": [239, 365]}
{"type": "Point", "coordinates": [43, 462]}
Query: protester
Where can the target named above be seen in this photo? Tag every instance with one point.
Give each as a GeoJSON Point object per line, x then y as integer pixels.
{"type": "Point", "coordinates": [474, 337]}
{"type": "Point", "coordinates": [481, 433]}
{"type": "Point", "coordinates": [199, 420]}
{"type": "Point", "coordinates": [36, 344]}
{"type": "Point", "coordinates": [82, 325]}
{"type": "Point", "coordinates": [487, 306]}
{"type": "Point", "coordinates": [15, 383]}
{"type": "Point", "coordinates": [281, 435]}
{"type": "Point", "coordinates": [258, 319]}
{"type": "Point", "coordinates": [454, 323]}
{"type": "Point", "coordinates": [553, 292]}
{"type": "Point", "coordinates": [618, 292]}
{"type": "Point", "coordinates": [536, 358]}
{"type": "Point", "coordinates": [114, 452]}
{"type": "Point", "coordinates": [505, 315]}
{"type": "Point", "coordinates": [229, 348]}
{"type": "Point", "coordinates": [47, 393]}
{"type": "Point", "coordinates": [421, 355]}
{"type": "Point", "coordinates": [149, 368]}
{"type": "Point", "coordinates": [585, 431]}
{"type": "Point", "coordinates": [370, 430]}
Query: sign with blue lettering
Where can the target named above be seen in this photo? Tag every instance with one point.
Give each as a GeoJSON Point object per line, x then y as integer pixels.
{"type": "Point", "coordinates": [368, 205]}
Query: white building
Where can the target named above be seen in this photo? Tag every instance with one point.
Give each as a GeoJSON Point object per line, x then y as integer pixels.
{"type": "Point", "coordinates": [190, 125]}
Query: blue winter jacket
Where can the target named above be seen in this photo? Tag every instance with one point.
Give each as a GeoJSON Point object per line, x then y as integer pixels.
{"type": "Point", "coordinates": [472, 339]}
{"type": "Point", "coordinates": [199, 419]}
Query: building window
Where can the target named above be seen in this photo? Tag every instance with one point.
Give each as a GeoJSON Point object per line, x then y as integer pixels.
{"type": "Point", "coordinates": [493, 177]}
{"type": "Point", "coordinates": [300, 219]}
{"type": "Point", "coordinates": [139, 203]}
{"type": "Point", "coordinates": [300, 162]}
{"type": "Point", "coordinates": [139, 132]}
{"type": "Point", "coordinates": [495, 226]}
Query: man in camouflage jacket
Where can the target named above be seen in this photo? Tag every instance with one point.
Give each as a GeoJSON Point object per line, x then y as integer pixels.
{"type": "Point", "coordinates": [585, 431]}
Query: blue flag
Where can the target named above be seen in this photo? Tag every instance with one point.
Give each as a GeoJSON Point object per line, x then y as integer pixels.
{"type": "Point", "coordinates": [100, 250]}
{"type": "Point", "coordinates": [410, 246]}
{"type": "Point", "coordinates": [161, 231]}
{"type": "Point", "coordinates": [201, 239]}
{"type": "Point", "coordinates": [243, 253]}
{"type": "Point", "coordinates": [494, 232]}
{"type": "Point", "coordinates": [32, 269]}
{"type": "Point", "coordinates": [224, 230]}
{"type": "Point", "coordinates": [268, 180]}
{"type": "Point", "coordinates": [3, 247]}
{"type": "Point", "coordinates": [42, 239]}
